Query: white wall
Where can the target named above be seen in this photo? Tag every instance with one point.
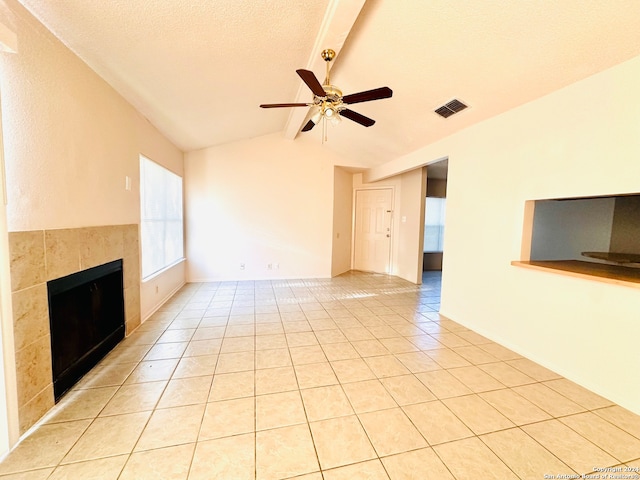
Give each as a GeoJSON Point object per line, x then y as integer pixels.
{"type": "Point", "coordinates": [258, 202]}
{"type": "Point", "coordinates": [342, 221]}
{"type": "Point", "coordinates": [583, 140]}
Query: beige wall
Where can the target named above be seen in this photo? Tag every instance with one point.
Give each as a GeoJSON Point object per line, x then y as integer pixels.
{"type": "Point", "coordinates": [582, 140]}
{"type": "Point", "coordinates": [69, 141]}
{"type": "Point", "coordinates": [9, 425]}
{"type": "Point", "coordinates": [411, 234]}
{"type": "Point", "coordinates": [258, 202]}
{"type": "Point", "coordinates": [342, 221]}
{"type": "Point", "coordinates": [159, 288]}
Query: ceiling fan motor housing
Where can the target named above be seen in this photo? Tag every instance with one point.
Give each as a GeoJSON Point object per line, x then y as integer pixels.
{"type": "Point", "coordinates": [333, 93]}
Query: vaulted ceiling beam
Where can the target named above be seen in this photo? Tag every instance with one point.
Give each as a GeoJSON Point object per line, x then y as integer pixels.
{"type": "Point", "coordinates": [338, 21]}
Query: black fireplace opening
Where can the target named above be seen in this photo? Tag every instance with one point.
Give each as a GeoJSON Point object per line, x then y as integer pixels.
{"type": "Point", "coordinates": [86, 316]}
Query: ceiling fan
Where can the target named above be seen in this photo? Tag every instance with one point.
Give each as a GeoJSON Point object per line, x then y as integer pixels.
{"type": "Point", "coordinates": [328, 100]}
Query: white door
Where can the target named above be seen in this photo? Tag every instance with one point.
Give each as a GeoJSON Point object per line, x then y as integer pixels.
{"type": "Point", "coordinates": [372, 245]}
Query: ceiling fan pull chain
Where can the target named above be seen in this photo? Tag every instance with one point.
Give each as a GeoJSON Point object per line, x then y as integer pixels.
{"type": "Point", "coordinates": [324, 129]}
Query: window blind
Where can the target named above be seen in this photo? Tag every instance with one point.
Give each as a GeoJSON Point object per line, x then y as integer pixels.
{"type": "Point", "coordinates": [161, 225]}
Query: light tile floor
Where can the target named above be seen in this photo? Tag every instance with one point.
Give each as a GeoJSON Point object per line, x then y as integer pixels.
{"type": "Point", "coordinates": [357, 377]}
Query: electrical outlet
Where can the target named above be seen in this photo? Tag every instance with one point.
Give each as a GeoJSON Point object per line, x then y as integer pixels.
{"type": "Point", "coordinates": [242, 266]}
{"type": "Point", "coordinates": [269, 266]}
{"type": "Point", "coordinates": [157, 289]}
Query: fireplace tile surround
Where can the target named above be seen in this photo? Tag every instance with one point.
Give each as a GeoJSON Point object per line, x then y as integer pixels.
{"type": "Point", "coordinates": [42, 255]}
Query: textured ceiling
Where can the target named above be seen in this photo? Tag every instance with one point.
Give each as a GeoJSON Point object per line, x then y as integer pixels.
{"type": "Point", "coordinates": [198, 69]}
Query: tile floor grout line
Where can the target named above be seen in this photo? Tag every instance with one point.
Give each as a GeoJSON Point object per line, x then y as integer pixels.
{"type": "Point", "coordinates": [600, 447]}
{"type": "Point", "coordinates": [536, 441]}
{"type": "Point", "coordinates": [344, 314]}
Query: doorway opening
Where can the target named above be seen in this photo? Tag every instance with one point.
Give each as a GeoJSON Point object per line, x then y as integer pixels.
{"type": "Point", "coordinates": [434, 226]}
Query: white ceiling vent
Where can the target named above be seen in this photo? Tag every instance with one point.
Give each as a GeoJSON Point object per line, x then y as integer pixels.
{"type": "Point", "coordinates": [450, 108]}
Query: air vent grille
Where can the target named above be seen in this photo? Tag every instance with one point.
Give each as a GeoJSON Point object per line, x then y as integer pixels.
{"type": "Point", "coordinates": [450, 108]}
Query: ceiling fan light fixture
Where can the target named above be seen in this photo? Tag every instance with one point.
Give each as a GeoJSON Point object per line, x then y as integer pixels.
{"type": "Point", "coordinates": [315, 118]}
{"type": "Point", "coordinates": [329, 111]}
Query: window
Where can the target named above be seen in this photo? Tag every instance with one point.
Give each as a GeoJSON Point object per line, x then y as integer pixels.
{"type": "Point", "coordinates": [161, 226]}
{"type": "Point", "coordinates": [434, 224]}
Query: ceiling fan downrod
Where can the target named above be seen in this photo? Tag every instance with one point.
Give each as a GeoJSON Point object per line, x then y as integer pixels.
{"type": "Point", "coordinates": [327, 55]}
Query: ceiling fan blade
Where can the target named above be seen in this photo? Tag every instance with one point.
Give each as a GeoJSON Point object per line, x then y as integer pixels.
{"type": "Point", "coordinates": [367, 96]}
{"type": "Point", "coordinates": [312, 82]}
{"type": "Point", "coordinates": [308, 126]}
{"type": "Point", "coordinates": [356, 117]}
{"type": "Point", "coordinates": [279, 105]}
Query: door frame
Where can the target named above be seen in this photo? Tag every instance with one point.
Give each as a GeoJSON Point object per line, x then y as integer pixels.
{"type": "Point", "coordinates": [391, 266]}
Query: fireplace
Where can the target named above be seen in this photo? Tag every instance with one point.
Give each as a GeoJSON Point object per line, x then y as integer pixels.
{"type": "Point", "coordinates": [86, 314]}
